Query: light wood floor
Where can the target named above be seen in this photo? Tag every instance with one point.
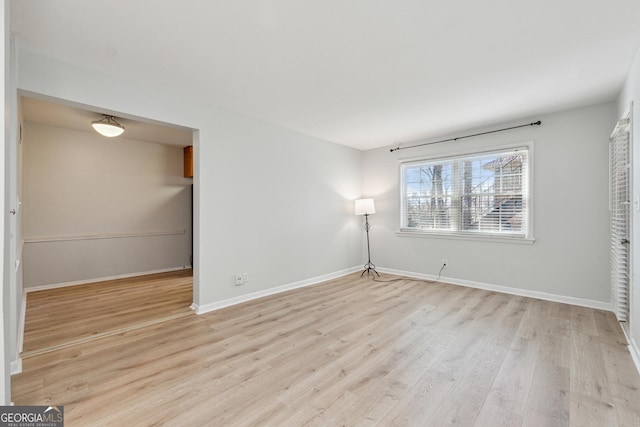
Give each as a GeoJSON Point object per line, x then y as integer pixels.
{"type": "Point", "coordinates": [60, 317]}
{"type": "Point", "coordinates": [351, 352]}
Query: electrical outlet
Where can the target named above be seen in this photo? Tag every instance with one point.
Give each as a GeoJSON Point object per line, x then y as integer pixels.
{"type": "Point", "coordinates": [245, 277]}
{"type": "Point", "coordinates": [445, 261]}
{"type": "Point", "coordinates": [238, 279]}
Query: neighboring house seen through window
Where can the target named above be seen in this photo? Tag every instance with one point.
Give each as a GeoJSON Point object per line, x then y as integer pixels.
{"type": "Point", "coordinates": [482, 194]}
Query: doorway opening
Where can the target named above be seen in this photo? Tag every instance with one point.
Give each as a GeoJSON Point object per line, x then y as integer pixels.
{"type": "Point", "coordinates": [102, 214]}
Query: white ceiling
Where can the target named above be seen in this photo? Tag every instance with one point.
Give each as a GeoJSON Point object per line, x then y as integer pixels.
{"type": "Point", "coordinates": [65, 116]}
{"type": "Point", "coordinates": [363, 73]}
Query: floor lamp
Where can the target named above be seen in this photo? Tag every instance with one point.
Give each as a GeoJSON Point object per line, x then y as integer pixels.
{"type": "Point", "coordinates": [365, 207]}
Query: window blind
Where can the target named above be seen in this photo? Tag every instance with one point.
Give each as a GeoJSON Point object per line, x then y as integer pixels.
{"type": "Point", "coordinates": [619, 206]}
{"type": "Point", "coordinates": [481, 193]}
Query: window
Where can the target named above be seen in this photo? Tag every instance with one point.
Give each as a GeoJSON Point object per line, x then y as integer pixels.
{"type": "Point", "coordinates": [478, 194]}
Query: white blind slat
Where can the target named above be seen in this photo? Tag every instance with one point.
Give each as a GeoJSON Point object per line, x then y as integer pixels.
{"type": "Point", "coordinates": [619, 214]}
{"type": "Point", "coordinates": [481, 193]}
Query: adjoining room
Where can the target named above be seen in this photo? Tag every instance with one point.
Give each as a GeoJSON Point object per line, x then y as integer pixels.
{"type": "Point", "coordinates": [106, 224]}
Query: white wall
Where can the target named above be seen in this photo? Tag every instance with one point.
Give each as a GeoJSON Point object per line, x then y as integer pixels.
{"type": "Point", "coordinates": [6, 340]}
{"type": "Point", "coordinates": [570, 185]}
{"type": "Point", "coordinates": [80, 188]}
{"type": "Point", "coordinates": [270, 202]}
{"type": "Point", "coordinates": [631, 93]}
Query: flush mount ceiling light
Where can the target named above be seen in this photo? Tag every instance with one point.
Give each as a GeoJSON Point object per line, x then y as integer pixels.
{"type": "Point", "coordinates": [108, 126]}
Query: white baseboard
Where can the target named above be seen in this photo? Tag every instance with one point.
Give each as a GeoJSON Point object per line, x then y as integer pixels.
{"type": "Point", "coordinates": [206, 308]}
{"type": "Point", "coordinates": [634, 350]}
{"type": "Point", "coordinates": [102, 279]}
{"type": "Point", "coordinates": [16, 366]}
{"type": "Point", "coordinates": [600, 305]}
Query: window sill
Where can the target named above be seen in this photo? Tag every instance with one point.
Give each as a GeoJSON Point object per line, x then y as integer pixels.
{"type": "Point", "coordinates": [472, 237]}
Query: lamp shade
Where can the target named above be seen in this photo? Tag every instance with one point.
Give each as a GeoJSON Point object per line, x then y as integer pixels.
{"type": "Point", "coordinates": [108, 126]}
{"type": "Point", "coordinates": [365, 207]}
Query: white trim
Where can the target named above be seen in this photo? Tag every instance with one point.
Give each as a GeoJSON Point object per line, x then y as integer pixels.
{"type": "Point", "coordinates": [633, 349]}
{"type": "Point", "coordinates": [16, 366]}
{"type": "Point", "coordinates": [21, 323]}
{"type": "Point", "coordinates": [635, 354]}
{"type": "Point", "coordinates": [20, 250]}
{"type": "Point", "coordinates": [206, 308]}
{"type": "Point", "coordinates": [102, 279]}
{"type": "Point", "coordinates": [600, 305]}
{"type": "Point", "coordinates": [466, 236]}
{"type": "Point", "coordinates": [98, 236]}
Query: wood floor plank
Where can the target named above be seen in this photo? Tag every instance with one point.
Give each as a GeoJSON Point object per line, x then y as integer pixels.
{"type": "Point", "coordinates": [497, 416]}
{"type": "Point", "coordinates": [510, 389]}
{"type": "Point", "coordinates": [349, 351]}
{"type": "Point", "coordinates": [62, 316]}
{"type": "Point", "coordinates": [548, 400]}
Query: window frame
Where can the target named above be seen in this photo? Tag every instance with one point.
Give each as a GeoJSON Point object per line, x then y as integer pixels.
{"type": "Point", "coordinates": [527, 238]}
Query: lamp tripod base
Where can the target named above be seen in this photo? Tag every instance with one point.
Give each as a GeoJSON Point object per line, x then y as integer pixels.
{"type": "Point", "coordinates": [369, 268]}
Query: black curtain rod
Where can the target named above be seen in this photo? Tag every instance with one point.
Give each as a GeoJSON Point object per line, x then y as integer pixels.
{"type": "Point", "coordinates": [538, 123]}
